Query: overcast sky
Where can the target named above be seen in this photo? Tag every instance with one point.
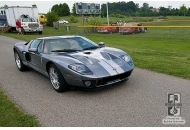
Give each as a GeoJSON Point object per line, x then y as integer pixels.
{"type": "Point", "coordinates": [45, 6]}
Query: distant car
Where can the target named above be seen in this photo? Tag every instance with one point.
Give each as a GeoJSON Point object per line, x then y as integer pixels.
{"type": "Point", "coordinates": [74, 60]}
{"type": "Point", "coordinates": [63, 21]}
{"type": "Point", "coordinates": [132, 30]}
{"type": "Point", "coordinates": [108, 29]}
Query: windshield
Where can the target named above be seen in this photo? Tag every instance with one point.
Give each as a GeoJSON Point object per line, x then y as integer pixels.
{"type": "Point", "coordinates": [28, 20]}
{"type": "Point", "coordinates": [68, 45]}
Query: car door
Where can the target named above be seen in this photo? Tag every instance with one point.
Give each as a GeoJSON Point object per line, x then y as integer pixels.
{"type": "Point", "coordinates": [36, 57]}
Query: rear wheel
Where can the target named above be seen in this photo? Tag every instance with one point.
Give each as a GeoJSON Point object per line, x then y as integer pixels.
{"type": "Point", "coordinates": [18, 62]}
{"type": "Point", "coordinates": [57, 79]}
{"type": "Point", "coordinates": [40, 32]}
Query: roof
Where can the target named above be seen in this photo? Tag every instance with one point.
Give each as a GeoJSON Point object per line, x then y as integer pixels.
{"type": "Point", "coordinates": [58, 37]}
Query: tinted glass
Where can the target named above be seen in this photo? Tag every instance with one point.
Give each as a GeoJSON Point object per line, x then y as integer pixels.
{"type": "Point", "coordinates": [35, 43]}
{"type": "Point", "coordinates": [40, 47]}
{"type": "Point", "coordinates": [75, 43]}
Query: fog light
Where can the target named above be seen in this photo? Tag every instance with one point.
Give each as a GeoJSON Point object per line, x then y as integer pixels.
{"type": "Point", "coordinates": [87, 83]}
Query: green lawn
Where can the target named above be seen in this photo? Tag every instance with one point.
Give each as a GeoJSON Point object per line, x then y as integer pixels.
{"type": "Point", "coordinates": [12, 116]}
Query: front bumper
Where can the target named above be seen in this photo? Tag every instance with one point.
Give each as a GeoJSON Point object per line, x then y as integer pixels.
{"type": "Point", "coordinates": [100, 82]}
{"type": "Point", "coordinates": [32, 29]}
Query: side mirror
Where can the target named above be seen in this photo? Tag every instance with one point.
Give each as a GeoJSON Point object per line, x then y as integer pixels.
{"type": "Point", "coordinates": [101, 44]}
{"type": "Point", "coordinates": [33, 50]}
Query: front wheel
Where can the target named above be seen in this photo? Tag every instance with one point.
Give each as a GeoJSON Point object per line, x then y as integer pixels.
{"type": "Point", "coordinates": [57, 80]}
{"type": "Point", "coordinates": [22, 31]}
{"type": "Point", "coordinates": [18, 62]}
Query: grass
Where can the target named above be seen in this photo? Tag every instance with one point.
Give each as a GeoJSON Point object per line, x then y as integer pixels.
{"type": "Point", "coordinates": [12, 116]}
{"type": "Point", "coordinates": [129, 19]}
{"type": "Point", "coordinates": [165, 50]}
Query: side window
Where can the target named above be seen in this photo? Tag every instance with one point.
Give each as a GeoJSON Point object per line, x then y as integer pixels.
{"type": "Point", "coordinates": [35, 43]}
{"type": "Point", "coordinates": [40, 47]}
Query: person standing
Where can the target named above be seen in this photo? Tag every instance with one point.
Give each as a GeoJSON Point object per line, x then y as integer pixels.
{"type": "Point", "coordinates": [19, 27]}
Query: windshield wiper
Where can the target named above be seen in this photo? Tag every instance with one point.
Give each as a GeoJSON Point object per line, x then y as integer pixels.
{"type": "Point", "coordinates": [66, 50]}
{"type": "Point", "coordinates": [90, 48]}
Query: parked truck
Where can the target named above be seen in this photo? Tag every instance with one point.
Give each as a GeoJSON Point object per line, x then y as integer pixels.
{"type": "Point", "coordinates": [28, 16]}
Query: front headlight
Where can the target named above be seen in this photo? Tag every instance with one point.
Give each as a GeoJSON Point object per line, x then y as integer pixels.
{"type": "Point", "coordinates": [80, 68]}
{"type": "Point", "coordinates": [126, 58]}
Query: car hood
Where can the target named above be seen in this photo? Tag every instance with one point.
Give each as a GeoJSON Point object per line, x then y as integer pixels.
{"type": "Point", "coordinates": [104, 61]}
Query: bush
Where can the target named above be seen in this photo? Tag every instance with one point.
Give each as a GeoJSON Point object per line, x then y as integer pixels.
{"type": "Point", "coordinates": [117, 15]}
{"type": "Point", "coordinates": [96, 21]}
{"type": "Point", "coordinates": [120, 16]}
{"type": "Point", "coordinates": [73, 19]}
{"type": "Point", "coordinates": [51, 17]}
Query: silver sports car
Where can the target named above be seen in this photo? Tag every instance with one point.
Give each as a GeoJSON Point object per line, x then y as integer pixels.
{"type": "Point", "coordinates": [73, 61]}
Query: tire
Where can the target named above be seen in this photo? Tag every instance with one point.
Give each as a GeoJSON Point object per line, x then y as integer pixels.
{"type": "Point", "coordinates": [40, 32]}
{"type": "Point", "coordinates": [57, 80]}
{"type": "Point", "coordinates": [22, 31]}
{"type": "Point", "coordinates": [18, 62]}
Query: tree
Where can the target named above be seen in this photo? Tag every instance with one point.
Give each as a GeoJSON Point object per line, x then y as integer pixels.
{"type": "Point", "coordinates": [61, 9]}
{"type": "Point", "coordinates": [55, 8]}
{"type": "Point", "coordinates": [137, 14]}
{"type": "Point", "coordinates": [145, 6]}
{"type": "Point", "coordinates": [131, 6]}
{"type": "Point", "coordinates": [5, 6]}
{"type": "Point", "coordinates": [169, 7]}
{"type": "Point", "coordinates": [163, 11]}
{"type": "Point", "coordinates": [74, 10]}
{"type": "Point", "coordinates": [65, 9]}
{"type": "Point", "coordinates": [189, 11]}
{"type": "Point", "coordinates": [51, 17]}
{"type": "Point", "coordinates": [137, 5]}
{"type": "Point", "coordinates": [183, 9]}
{"type": "Point", "coordinates": [103, 10]}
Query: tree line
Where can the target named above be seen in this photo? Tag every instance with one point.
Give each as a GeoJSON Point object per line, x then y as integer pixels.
{"type": "Point", "coordinates": [127, 9]}
{"type": "Point", "coordinates": [133, 9]}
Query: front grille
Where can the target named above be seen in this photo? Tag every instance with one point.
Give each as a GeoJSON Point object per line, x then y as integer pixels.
{"type": "Point", "coordinates": [33, 25]}
{"type": "Point", "coordinates": [106, 80]}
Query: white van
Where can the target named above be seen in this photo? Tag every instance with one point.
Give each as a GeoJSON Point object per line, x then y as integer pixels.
{"type": "Point", "coordinates": [28, 17]}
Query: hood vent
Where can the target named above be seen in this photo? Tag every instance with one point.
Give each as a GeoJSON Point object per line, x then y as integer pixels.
{"type": "Point", "coordinates": [87, 52]}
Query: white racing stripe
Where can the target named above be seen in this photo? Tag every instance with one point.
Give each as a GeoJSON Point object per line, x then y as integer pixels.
{"type": "Point", "coordinates": [112, 63]}
{"type": "Point", "coordinates": [107, 67]}
{"type": "Point", "coordinates": [115, 66]}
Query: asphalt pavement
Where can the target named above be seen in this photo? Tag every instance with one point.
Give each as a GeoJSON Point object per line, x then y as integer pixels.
{"type": "Point", "coordinates": [138, 102]}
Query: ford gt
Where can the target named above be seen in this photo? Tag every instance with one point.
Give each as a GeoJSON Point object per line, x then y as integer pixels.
{"type": "Point", "coordinates": [74, 61]}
